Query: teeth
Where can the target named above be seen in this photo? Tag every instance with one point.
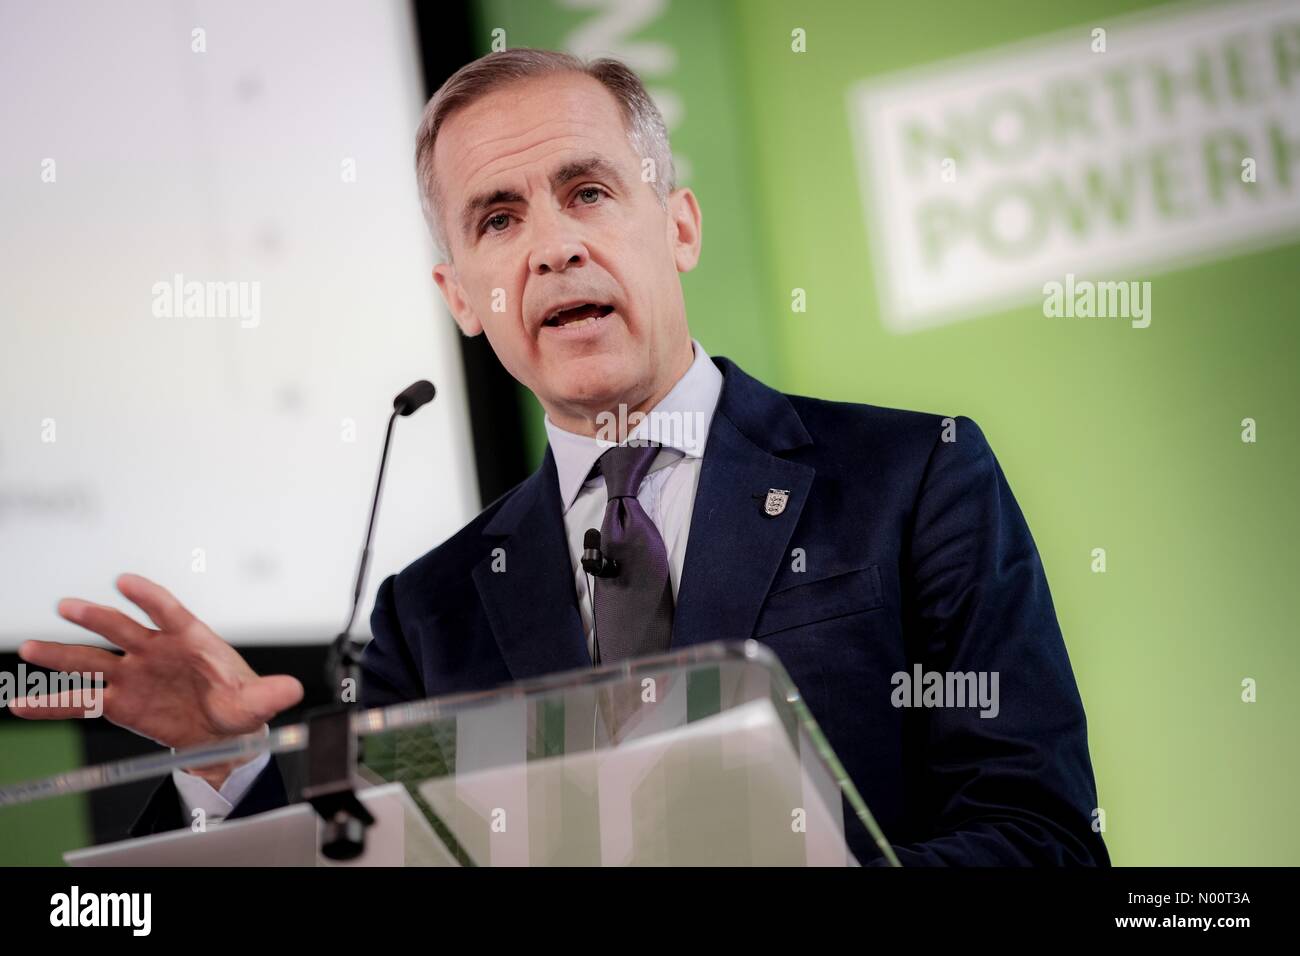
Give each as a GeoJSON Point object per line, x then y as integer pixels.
{"type": "Point", "coordinates": [589, 320]}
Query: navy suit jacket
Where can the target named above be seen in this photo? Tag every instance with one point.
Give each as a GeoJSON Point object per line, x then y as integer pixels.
{"type": "Point", "coordinates": [914, 552]}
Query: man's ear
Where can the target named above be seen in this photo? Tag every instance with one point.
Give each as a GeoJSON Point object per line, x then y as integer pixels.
{"type": "Point", "coordinates": [685, 227]}
{"type": "Point", "coordinates": [458, 303]}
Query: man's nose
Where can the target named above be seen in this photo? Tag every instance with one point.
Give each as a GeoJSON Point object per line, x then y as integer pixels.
{"type": "Point", "coordinates": [556, 248]}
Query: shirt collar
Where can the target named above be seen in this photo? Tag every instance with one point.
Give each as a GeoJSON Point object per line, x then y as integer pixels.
{"type": "Point", "coordinates": [680, 421]}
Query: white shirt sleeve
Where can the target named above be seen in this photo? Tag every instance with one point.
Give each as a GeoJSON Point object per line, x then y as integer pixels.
{"type": "Point", "coordinates": [197, 794]}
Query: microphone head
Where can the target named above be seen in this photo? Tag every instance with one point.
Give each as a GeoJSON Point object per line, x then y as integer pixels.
{"type": "Point", "coordinates": [591, 540]}
{"type": "Point", "coordinates": [413, 396]}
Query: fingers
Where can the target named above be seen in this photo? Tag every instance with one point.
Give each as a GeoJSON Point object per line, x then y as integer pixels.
{"type": "Point", "coordinates": [267, 696]}
{"type": "Point", "coordinates": [109, 623]}
{"type": "Point", "coordinates": [156, 601]}
{"type": "Point", "coordinates": [70, 658]}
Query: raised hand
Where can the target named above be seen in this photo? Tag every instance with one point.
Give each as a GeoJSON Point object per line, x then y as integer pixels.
{"type": "Point", "coordinates": [180, 685]}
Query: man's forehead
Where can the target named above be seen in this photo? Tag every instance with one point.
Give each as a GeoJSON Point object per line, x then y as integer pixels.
{"type": "Point", "coordinates": [533, 122]}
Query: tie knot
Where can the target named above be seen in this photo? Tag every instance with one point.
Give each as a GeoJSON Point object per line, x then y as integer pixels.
{"type": "Point", "coordinates": [624, 467]}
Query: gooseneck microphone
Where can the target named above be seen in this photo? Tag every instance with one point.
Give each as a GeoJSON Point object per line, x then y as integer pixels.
{"type": "Point", "coordinates": [413, 397]}
{"type": "Point", "coordinates": [331, 745]}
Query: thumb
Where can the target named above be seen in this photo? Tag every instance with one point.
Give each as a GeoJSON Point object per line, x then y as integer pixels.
{"type": "Point", "coordinates": [267, 696]}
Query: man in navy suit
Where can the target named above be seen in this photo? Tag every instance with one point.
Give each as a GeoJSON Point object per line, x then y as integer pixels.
{"type": "Point", "coordinates": [878, 552]}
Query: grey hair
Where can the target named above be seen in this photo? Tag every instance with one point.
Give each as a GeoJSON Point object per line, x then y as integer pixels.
{"type": "Point", "coordinates": [641, 118]}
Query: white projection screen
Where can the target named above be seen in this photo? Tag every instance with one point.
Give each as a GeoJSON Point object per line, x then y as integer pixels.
{"type": "Point", "coordinates": [224, 443]}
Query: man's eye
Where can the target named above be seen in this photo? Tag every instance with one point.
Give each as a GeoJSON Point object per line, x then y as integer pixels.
{"type": "Point", "coordinates": [496, 223]}
{"type": "Point", "coordinates": [595, 192]}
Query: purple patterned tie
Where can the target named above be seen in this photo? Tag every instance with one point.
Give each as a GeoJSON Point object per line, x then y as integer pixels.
{"type": "Point", "coordinates": [634, 609]}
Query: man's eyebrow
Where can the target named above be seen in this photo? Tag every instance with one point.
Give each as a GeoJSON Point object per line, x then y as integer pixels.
{"type": "Point", "coordinates": [484, 201]}
{"type": "Point", "coordinates": [593, 166]}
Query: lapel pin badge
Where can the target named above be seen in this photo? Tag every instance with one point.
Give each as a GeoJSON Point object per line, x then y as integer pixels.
{"type": "Point", "coordinates": [776, 501]}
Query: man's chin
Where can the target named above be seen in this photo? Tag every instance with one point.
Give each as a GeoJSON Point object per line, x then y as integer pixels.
{"type": "Point", "coordinates": [597, 397]}
{"type": "Point", "coordinates": [595, 383]}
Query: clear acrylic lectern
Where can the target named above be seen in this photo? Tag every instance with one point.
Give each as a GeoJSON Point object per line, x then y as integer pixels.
{"type": "Point", "coordinates": [705, 756]}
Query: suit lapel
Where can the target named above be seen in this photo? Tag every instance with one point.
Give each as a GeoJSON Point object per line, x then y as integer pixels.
{"type": "Point", "coordinates": [531, 605]}
{"type": "Point", "coordinates": [732, 554]}
{"type": "Point", "coordinates": [734, 549]}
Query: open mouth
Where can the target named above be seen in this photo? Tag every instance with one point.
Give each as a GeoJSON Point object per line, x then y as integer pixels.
{"type": "Point", "coordinates": [586, 314]}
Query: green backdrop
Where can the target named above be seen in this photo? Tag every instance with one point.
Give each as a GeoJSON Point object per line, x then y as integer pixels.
{"type": "Point", "coordinates": [1111, 438]}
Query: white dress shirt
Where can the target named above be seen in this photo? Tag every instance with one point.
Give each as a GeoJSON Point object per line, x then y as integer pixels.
{"type": "Point", "coordinates": [680, 422]}
{"type": "Point", "coordinates": [197, 794]}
